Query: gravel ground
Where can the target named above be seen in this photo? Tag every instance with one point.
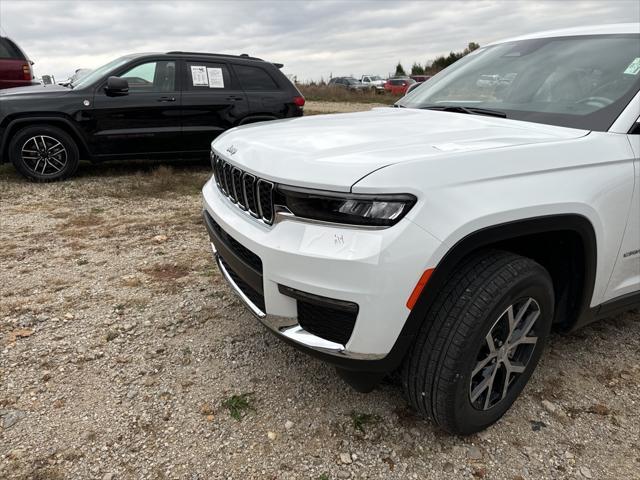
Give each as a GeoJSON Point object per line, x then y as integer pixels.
{"type": "Point", "coordinates": [123, 355]}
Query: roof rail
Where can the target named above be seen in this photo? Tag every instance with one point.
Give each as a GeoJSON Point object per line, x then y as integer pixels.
{"type": "Point", "coordinates": [226, 55]}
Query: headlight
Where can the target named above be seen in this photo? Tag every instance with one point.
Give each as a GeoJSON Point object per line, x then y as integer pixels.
{"type": "Point", "coordinates": [355, 209]}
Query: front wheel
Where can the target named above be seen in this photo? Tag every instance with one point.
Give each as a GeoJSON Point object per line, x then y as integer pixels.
{"type": "Point", "coordinates": [44, 153]}
{"type": "Point", "coordinates": [480, 341]}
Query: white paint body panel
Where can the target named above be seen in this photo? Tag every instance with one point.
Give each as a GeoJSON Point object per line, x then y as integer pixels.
{"type": "Point", "coordinates": [592, 176]}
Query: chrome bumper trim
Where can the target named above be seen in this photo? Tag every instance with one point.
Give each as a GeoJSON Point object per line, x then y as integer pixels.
{"type": "Point", "coordinates": [253, 308]}
{"type": "Point", "coordinates": [289, 327]}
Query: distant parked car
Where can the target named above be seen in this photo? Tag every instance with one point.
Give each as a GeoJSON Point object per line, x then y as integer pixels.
{"type": "Point", "coordinates": [374, 82]}
{"type": "Point", "coordinates": [488, 80]}
{"type": "Point", "coordinates": [15, 66]}
{"type": "Point", "coordinates": [398, 86]}
{"type": "Point", "coordinates": [165, 105]}
{"type": "Point", "coordinates": [349, 83]}
{"type": "Point", "coordinates": [77, 75]}
{"type": "Point", "coordinates": [420, 78]}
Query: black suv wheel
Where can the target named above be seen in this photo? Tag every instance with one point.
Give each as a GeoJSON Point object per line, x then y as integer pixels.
{"type": "Point", "coordinates": [44, 153]}
{"type": "Point", "coordinates": [480, 342]}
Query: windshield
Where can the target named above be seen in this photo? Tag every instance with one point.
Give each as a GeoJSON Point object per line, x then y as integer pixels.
{"type": "Point", "coordinates": [580, 82]}
{"type": "Point", "coordinates": [351, 81]}
{"type": "Point", "coordinates": [99, 73]}
{"type": "Point", "coordinates": [375, 78]}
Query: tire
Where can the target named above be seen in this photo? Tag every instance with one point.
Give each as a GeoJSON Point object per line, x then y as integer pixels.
{"type": "Point", "coordinates": [27, 152]}
{"type": "Point", "coordinates": [438, 376]}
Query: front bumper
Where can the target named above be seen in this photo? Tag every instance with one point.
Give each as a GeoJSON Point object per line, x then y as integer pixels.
{"type": "Point", "coordinates": [375, 269]}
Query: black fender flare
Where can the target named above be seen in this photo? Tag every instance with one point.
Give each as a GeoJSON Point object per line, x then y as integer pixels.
{"type": "Point", "coordinates": [15, 124]}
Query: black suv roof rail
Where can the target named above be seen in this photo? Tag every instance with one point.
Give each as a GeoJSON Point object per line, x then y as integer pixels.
{"type": "Point", "coordinates": [242, 55]}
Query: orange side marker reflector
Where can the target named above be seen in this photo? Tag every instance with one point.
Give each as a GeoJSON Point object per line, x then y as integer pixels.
{"type": "Point", "coordinates": [413, 298]}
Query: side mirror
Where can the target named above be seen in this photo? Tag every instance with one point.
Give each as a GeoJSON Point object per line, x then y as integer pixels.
{"type": "Point", "coordinates": [117, 86]}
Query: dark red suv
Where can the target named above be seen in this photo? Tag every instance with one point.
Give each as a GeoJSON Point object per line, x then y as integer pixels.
{"type": "Point", "coordinates": [15, 67]}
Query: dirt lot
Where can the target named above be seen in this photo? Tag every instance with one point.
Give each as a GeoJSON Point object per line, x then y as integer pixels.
{"type": "Point", "coordinates": [123, 355]}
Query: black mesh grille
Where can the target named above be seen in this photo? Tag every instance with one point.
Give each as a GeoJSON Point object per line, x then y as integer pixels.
{"type": "Point", "coordinates": [228, 181]}
{"type": "Point", "coordinates": [256, 298]}
{"type": "Point", "coordinates": [265, 197]}
{"type": "Point", "coordinates": [237, 185]}
{"type": "Point", "coordinates": [329, 323]}
{"type": "Point", "coordinates": [249, 192]}
{"type": "Point", "coordinates": [236, 247]}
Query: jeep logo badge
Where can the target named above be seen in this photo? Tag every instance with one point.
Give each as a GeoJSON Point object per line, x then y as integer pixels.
{"type": "Point", "coordinates": [232, 150]}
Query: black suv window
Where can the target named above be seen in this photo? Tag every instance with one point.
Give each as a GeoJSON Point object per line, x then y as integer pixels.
{"type": "Point", "coordinates": [152, 77]}
{"type": "Point", "coordinates": [204, 75]}
{"type": "Point", "coordinates": [8, 49]}
{"type": "Point", "coordinates": [255, 78]}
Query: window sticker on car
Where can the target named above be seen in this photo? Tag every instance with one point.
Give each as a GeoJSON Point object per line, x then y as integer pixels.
{"type": "Point", "coordinates": [199, 76]}
{"type": "Point", "coordinates": [634, 67]}
{"type": "Point", "coordinates": [216, 80]}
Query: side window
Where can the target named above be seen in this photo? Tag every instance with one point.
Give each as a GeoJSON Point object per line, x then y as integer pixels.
{"type": "Point", "coordinates": [206, 75]}
{"type": "Point", "coordinates": [255, 78]}
{"type": "Point", "coordinates": [152, 77]}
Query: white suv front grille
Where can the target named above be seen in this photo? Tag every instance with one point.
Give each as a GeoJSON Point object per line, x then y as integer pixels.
{"type": "Point", "coordinates": [248, 192]}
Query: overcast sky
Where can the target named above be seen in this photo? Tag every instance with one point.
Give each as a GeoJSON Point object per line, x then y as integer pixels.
{"type": "Point", "coordinates": [313, 38]}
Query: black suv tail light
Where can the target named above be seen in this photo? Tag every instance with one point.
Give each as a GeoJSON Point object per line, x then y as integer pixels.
{"type": "Point", "coordinates": [299, 101]}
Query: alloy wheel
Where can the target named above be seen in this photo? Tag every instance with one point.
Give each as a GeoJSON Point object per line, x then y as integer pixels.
{"type": "Point", "coordinates": [44, 155]}
{"type": "Point", "coordinates": [505, 354]}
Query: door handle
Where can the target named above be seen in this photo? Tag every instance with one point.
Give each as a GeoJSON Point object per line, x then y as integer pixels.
{"type": "Point", "coordinates": [233, 98]}
{"type": "Point", "coordinates": [167, 99]}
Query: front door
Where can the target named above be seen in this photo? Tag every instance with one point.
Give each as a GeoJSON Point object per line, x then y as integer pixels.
{"type": "Point", "coordinates": [212, 102]}
{"type": "Point", "coordinates": [625, 279]}
{"type": "Point", "coordinates": [144, 122]}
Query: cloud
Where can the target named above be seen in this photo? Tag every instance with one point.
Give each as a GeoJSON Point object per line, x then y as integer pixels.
{"type": "Point", "coordinates": [312, 38]}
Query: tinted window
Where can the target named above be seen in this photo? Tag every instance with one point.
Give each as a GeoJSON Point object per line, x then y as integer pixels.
{"type": "Point", "coordinates": [206, 75]}
{"type": "Point", "coordinates": [254, 78]}
{"type": "Point", "coordinates": [152, 77]}
{"type": "Point", "coordinates": [8, 49]}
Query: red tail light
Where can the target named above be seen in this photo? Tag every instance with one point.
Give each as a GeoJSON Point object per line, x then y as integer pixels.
{"type": "Point", "coordinates": [299, 101]}
{"type": "Point", "coordinates": [26, 71]}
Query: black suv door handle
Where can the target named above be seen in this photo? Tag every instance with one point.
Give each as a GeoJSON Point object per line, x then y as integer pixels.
{"type": "Point", "coordinates": [234, 98]}
{"type": "Point", "coordinates": [167, 99]}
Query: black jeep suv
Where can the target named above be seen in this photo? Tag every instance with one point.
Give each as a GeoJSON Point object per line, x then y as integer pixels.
{"type": "Point", "coordinates": [166, 105]}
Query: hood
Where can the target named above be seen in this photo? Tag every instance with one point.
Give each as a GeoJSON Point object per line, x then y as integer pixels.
{"type": "Point", "coordinates": [335, 151]}
{"type": "Point", "coordinates": [34, 90]}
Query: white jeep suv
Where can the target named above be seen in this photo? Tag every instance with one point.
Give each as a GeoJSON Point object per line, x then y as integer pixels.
{"type": "Point", "coordinates": [445, 237]}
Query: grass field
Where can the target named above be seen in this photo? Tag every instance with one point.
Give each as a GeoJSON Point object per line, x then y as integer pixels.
{"type": "Point", "coordinates": [324, 93]}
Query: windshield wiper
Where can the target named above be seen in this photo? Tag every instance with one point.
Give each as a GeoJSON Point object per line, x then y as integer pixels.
{"type": "Point", "coordinates": [469, 110]}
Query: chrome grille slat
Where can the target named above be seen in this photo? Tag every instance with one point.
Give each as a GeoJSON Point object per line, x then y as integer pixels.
{"type": "Point", "coordinates": [250, 193]}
